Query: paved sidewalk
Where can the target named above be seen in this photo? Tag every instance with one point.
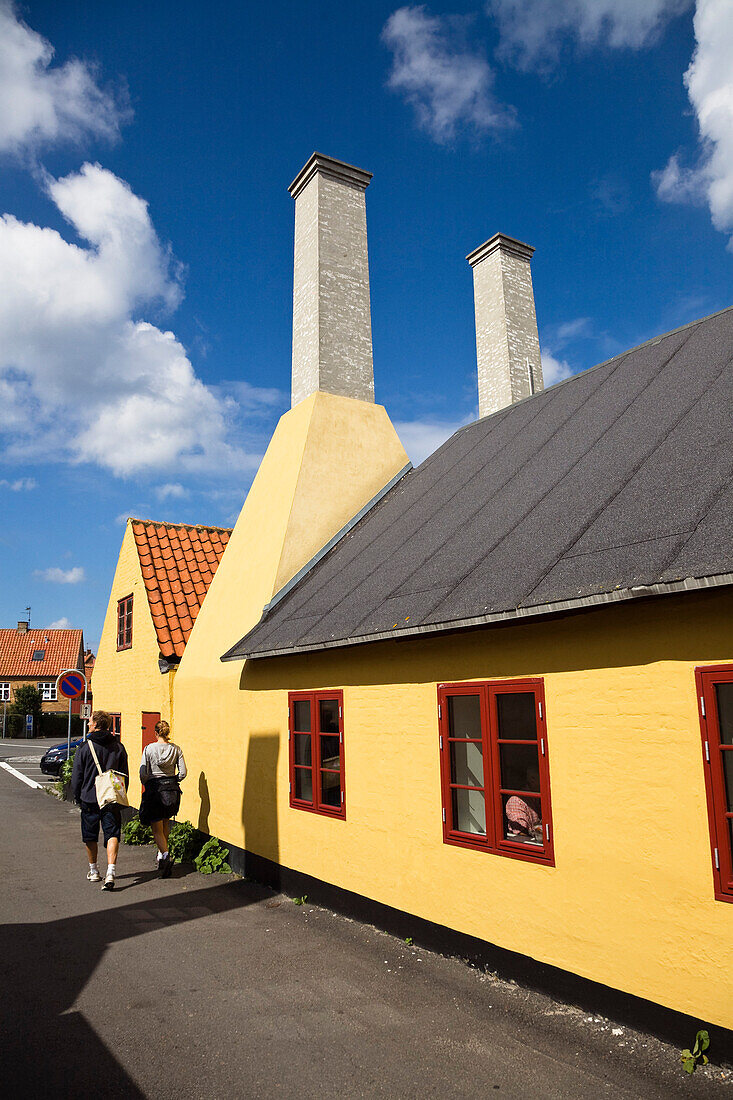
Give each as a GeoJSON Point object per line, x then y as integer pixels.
{"type": "Point", "coordinates": [210, 987]}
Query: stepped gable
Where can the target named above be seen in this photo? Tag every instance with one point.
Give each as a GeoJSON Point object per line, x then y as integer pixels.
{"type": "Point", "coordinates": [178, 562]}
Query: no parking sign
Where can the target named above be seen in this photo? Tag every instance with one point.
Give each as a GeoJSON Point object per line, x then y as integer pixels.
{"type": "Point", "coordinates": [70, 684]}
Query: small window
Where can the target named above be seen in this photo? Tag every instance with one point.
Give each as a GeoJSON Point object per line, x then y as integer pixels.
{"type": "Point", "coordinates": [316, 741]}
{"type": "Point", "coordinates": [715, 700]}
{"type": "Point", "coordinates": [124, 623]}
{"type": "Point", "coordinates": [116, 724]}
{"type": "Point", "coordinates": [4, 693]}
{"type": "Point", "coordinates": [495, 775]}
{"type": "Point", "coordinates": [47, 689]}
{"type": "Point", "coordinates": [38, 654]}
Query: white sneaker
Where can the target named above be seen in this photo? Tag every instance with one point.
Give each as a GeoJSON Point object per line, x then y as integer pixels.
{"type": "Point", "coordinates": [94, 876]}
{"type": "Point", "coordinates": [109, 881]}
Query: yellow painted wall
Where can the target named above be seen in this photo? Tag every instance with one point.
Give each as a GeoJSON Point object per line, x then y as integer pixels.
{"type": "Point", "coordinates": [328, 457]}
{"type": "Point", "coordinates": [129, 682]}
{"type": "Point", "coordinates": [630, 901]}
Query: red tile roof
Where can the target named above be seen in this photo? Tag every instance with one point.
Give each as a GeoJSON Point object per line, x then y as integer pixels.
{"type": "Point", "coordinates": [61, 648]}
{"type": "Point", "coordinates": [178, 563]}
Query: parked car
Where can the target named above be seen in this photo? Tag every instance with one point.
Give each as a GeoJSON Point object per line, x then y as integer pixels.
{"type": "Point", "coordinates": [52, 760]}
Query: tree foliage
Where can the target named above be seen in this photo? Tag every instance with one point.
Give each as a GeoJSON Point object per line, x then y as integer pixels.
{"type": "Point", "coordinates": [27, 701]}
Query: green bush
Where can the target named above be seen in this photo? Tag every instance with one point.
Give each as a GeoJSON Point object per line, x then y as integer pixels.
{"type": "Point", "coordinates": [57, 726]}
{"type": "Point", "coordinates": [212, 858]}
{"type": "Point", "coordinates": [65, 774]}
{"type": "Point", "coordinates": [134, 832]}
{"type": "Point", "coordinates": [67, 768]}
{"type": "Point", "coordinates": [185, 842]}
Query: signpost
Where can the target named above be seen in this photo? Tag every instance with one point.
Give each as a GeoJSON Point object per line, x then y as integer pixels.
{"type": "Point", "coordinates": [70, 684]}
{"type": "Point", "coordinates": [85, 711]}
{"type": "Point", "coordinates": [29, 725]}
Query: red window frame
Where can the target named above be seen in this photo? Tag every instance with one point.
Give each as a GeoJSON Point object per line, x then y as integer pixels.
{"type": "Point", "coordinates": [124, 623]}
{"type": "Point", "coordinates": [495, 840]}
{"type": "Point", "coordinates": [116, 725]}
{"type": "Point", "coordinates": [720, 816]}
{"type": "Point", "coordinates": [316, 804]}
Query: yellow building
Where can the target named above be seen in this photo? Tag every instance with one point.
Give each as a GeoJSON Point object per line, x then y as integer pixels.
{"type": "Point", "coordinates": [163, 573]}
{"type": "Point", "coordinates": [487, 702]}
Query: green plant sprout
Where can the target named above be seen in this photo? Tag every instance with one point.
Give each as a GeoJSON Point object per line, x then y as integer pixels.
{"type": "Point", "coordinates": [300, 901]}
{"type": "Point", "coordinates": [690, 1058]}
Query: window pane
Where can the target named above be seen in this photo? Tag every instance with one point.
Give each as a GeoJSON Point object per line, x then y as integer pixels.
{"type": "Point", "coordinates": [304, 784]}
{"type": "Point", "coordinates": [329, 713]}
{"type": "Point", "coordinates": [728, 773]}
{"type": "Point", "coordinates": [302, 715]}
{"type": "Point", "coordinates": [302, 751]}
{"type": "Point", "coordinates": [724, 695]}
{"type": "Point", "coordinates": [522, 819]}
{"type": "Point", "coordinates": [469, 813]}
{"type": "Point", "coordinates": [467, 763]}
{"type": "Point", "coordinates": [464, 716]}
{"type": "Point", "coordinates": [516, 715]}
{"type": "Point", "coordinates": [330, 789]}
{"type": "Point", "coordinates": [330, 753]}
{"type": "Point", "coordinates": [519, 768]}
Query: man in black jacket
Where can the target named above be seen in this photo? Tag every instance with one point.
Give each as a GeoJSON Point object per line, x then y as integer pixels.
{"type": "Point", "coordinates": [112, 756]}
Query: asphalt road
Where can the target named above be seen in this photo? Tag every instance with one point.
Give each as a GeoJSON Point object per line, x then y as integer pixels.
{"type": "Point", "coordinates": [25, 754]}
{"type": "Point", "coordinates": [209, 987]}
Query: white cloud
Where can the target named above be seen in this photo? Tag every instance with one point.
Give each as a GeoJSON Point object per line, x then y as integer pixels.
{"type": "Point", "coordinates": [709, 81]}
{"type": "Point", "coordinates": [255, 399]}
{"type": "Point", "coordinates": [41, 104]}
{"type": "Point", "coordinates": [82, 379]}
{"type": "Point", "coordinates": [554, 369]}
{"type": "Point", "coordinates": [421, 437]}
{"type": "Point", "coordinates": [20, 485]}
{"type": "Point", "coordinates": [60, 624]}
{"type": "Point", "coordinates": [533, 32]}
{"type": "Point", "coordinates": [571, 330]}
{"type": "Point", "coordinates": [171, 491]}
{"type": "Point", "coordinates": [447, 83]}
{"type": "Point", "coordinates": [61, 576]}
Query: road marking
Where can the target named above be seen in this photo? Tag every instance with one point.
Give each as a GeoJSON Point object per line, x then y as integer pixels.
{"type": "Point", "coordinates": [19, 775]}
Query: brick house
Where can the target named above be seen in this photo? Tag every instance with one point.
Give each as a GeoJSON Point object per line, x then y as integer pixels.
{"type": "Point", "coordinates": [37, 657]}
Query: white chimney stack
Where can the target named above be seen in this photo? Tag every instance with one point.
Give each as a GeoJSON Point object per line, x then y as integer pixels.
{"type": "Point", "coordinates": [507, 344]}
{"type": "Point", "coordinates": [332, 327]}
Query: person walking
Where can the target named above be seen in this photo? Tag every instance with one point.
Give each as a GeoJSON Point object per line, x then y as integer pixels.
{"type": "Point", "coordinates": [112, 755]}
{"type": "Point", "coordinates": [161, 769]}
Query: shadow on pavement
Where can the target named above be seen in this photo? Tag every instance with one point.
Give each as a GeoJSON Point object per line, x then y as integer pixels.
{"type": "Point", "coordinates": [47, 1047]}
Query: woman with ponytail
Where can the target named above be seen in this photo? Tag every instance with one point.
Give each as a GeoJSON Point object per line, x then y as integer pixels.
{"type": "Point", "coordinates": [161, 769]}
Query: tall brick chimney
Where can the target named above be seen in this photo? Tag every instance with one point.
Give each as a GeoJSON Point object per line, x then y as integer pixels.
{"type": "Point", "coordinates": [507, 344]}
{"type": "Point", "coordinates": [332, 327]}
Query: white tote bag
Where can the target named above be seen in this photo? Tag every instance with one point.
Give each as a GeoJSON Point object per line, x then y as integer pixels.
{"type": "Point", "coordinates": [109, 786]}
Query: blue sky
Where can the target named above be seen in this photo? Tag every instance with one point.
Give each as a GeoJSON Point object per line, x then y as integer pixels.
{"type": "Point", "coordinates": [146, 232]}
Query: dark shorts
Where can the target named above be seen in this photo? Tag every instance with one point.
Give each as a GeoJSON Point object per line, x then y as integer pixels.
{"type": "Point", "coordinates": [110, 819]}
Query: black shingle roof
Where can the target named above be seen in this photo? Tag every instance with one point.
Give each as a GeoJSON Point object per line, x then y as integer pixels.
{"type": "Point", "coordinates": [614, 483]}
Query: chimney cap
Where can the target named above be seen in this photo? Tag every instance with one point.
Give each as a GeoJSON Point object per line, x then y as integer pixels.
{"type": "Point", "coordinates": [500, 240]}
{"type": "Point", "coordinates": [334, 169]}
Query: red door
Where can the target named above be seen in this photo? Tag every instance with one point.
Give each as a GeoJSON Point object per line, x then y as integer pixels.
{"type": "Point", "coordinates": [149, 722]}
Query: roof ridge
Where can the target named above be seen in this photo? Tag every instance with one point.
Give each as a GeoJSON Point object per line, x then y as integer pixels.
{"type": "Point", "coordinates": [189, 526]}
